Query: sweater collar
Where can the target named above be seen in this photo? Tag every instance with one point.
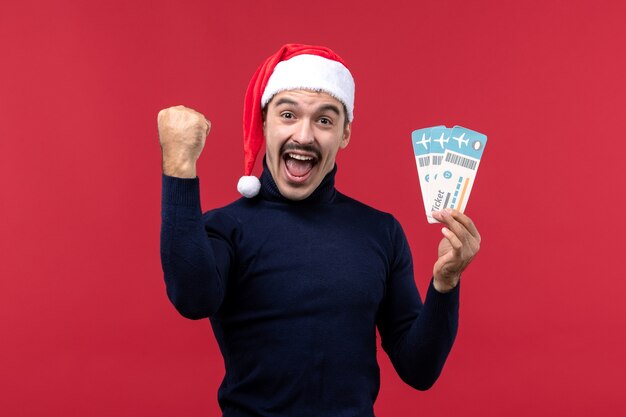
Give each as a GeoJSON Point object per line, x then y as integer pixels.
{"type": "Point", "coordinates": [324, 193]}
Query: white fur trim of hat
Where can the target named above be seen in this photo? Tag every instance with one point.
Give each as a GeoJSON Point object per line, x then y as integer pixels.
{"type": "Point", "coordinates": [312, 72]}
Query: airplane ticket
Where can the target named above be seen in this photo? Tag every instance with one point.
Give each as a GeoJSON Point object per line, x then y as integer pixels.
{"type": "Point", "coordinates": [447, 161]}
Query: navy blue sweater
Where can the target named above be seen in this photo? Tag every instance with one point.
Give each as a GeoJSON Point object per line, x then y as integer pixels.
{"type": "Point", "coordinates": [295, 291]}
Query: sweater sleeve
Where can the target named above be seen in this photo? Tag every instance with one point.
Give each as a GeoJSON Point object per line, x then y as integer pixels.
{"type": "Point", "coordinates": [195, 260]}
{"type": "Point", "coordinates": [417, 337]}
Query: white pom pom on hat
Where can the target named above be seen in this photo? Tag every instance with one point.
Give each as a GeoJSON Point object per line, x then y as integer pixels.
{"type": "Point", "coordinates": [248, 186]}
{"type": "Point", "coordinates": [293, 66]}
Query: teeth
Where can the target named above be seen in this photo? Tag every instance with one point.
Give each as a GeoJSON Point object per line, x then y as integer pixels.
{"type": "Point", "coordinates": [300, 157]}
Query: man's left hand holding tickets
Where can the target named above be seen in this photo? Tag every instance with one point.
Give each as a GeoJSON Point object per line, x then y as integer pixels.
{"type": "Point", "coordinates": [460, 244]}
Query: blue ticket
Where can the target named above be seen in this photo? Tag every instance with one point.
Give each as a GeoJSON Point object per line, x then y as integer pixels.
{"type": "Point", "coordinates": [421, 149]}
{"type": "Point", "coordinates": [447, 161]}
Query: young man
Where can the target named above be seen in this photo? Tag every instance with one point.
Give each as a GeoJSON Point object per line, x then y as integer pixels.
{"type": "Point", "coordinates": [296, 277]}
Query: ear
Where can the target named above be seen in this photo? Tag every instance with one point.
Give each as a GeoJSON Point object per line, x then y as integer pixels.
{"type": "Point", "coordinates": [264, 118]}
{"type": "Point", "coordinates": [347, 130]}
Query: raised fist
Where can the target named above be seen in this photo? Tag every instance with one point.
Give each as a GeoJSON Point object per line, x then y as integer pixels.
{"type": "Point", "coordinates": [182, 134]}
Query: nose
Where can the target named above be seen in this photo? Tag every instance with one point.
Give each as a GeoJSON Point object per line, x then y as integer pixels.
{"type": "Point", "coordinates": [304, 132]}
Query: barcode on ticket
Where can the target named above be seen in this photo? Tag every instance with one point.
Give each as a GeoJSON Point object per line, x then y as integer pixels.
{"type": "Point", "coordinates": [461, 161]}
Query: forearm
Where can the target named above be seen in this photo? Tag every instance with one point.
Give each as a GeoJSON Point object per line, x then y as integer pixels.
{"type": "Point", "coordinates": [194, 270]}
{"type": "Point", "coordinates": [419, 354]}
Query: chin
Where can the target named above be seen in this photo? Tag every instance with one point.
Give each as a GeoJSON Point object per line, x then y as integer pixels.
{"type": "Point", "coordinates": [295, 193]}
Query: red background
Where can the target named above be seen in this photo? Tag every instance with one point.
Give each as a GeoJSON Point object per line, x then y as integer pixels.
{"type": "Point", "coordinates": [87, 329]}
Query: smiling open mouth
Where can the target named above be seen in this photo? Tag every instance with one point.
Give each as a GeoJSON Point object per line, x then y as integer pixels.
{"type": "Point", "coordinates": [299, 165]}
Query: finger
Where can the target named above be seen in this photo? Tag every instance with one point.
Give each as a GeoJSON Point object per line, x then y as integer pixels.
{"type": "Point", "coordinates": [466, 222]}
{"type": "Point", "coordinates": [442, 262]}
{"type": "Point", "coordinates": [454, 240]}
{"type": "Point", "coordinates": [452, 224]}
{"type": "Point", "coordinates": [441, 216]}
{"type": "Point", "coordinates": [470, 244]}
{"type": "Point", "coordinates": [459, 228]}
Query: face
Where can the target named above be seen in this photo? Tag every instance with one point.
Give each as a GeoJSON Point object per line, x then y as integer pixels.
{"type": "Point", "coordinates": [303, 130]}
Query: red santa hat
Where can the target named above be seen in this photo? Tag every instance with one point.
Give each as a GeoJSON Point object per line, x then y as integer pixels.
{"type": "Point", "coordinates": [294, 66]}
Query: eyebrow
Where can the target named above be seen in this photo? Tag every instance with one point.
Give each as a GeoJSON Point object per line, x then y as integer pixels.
{"type": "Point", "coordinates": [330, 107]}
{"type": "Point", "coordinates": [285, 101]}
{"type": "Point", "coordinates": [325, 107]}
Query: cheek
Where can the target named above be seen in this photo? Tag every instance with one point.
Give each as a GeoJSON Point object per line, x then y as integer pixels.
{"type": "Point", "coordinates": [276, 137]}
{"type": "Point", "coordinates": [272, 148]}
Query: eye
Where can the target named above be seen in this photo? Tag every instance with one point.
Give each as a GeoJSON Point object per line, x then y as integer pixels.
{"type": "Point", "coordinates": [325, 121]}
{"type": "Point", "coordinates": [287, 115]}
